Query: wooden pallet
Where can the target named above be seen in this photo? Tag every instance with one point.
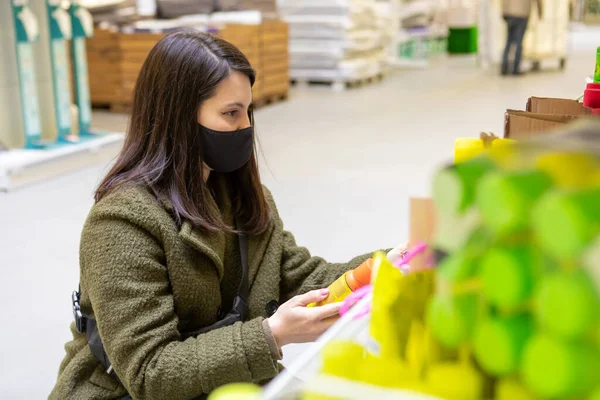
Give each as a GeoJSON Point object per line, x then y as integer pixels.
{"type": "Point", "coordinates": [115, 107]}
{"type": "Point", "coordinates": [339, 84]}
{"type": "Point", "coordinates": [270, 99]}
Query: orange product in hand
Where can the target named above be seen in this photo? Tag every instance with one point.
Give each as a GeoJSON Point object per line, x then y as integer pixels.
{"type": "Point", "coordinates": [348, 283]}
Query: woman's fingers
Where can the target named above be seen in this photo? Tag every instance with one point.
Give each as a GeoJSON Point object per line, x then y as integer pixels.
{"type": "Point", "coordinates": [327, 311]}
{"type": "Point", "coordinates": [327, 323]}
{"type": "Point", "coordinates": [397, 252]}
{"type": "Point", "coordinates": [314, 296]}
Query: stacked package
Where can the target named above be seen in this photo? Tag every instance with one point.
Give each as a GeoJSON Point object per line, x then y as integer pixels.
{"type": "Point", "coordinates": [334, 40]}
{"type": "Point", "coordinates": [267, 7]}
{"type": "Point", "coordinates": [117, 11]}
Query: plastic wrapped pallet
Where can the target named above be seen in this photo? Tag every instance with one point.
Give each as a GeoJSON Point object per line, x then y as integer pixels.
{"type": "Point", "coordinates": [334, 40]}
{"type": "Point", "coordinates": [178, 8]}
{"type": "Point", "coordinates": [118, 11]}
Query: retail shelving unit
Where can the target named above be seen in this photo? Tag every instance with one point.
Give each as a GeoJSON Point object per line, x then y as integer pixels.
{"type": "Point", "coordinates": [418, 30]}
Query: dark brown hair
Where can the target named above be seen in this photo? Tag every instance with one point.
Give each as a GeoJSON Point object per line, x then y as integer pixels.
{"type": "Point", "coordinates": [162, 149]}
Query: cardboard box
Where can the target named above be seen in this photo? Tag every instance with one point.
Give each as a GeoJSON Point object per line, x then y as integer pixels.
{"type": "Point", "coordinates": [523, 124]}
{"type": "Point", "coordinates": [423, 222]}
{"type": "Point", "coordinates": [570, 107]}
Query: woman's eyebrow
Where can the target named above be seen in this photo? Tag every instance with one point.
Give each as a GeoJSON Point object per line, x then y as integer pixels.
{"type": "Point", "coordinates": [240, 105]}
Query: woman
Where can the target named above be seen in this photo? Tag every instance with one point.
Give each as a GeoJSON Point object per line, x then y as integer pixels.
{"type": "Point", "coordinates": [160, 258]}
{"type": "Point", "coordinates": [516, 14]}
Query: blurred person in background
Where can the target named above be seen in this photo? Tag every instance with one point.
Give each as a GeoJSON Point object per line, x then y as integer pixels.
{"type": "Point", "coordinates": [516, 14]}
{"type": "Point", "coordinates": [184, 260]}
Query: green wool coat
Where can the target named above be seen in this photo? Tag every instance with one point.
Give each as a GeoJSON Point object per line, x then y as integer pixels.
{"type": "Point", "coordinates": [145, 280]}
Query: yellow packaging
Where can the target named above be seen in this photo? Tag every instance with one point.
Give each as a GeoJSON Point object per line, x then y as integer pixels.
{"type": "Point", "coordinates": [338, 291]}
{"type": "Point", "coordinates": [570, 170]}
{"type": "Point", "coordinates": [455, 381]}
{"type": "Point", "coordinates": [468, 148]}
{"type": "Point", "coordinates": [397, 301]}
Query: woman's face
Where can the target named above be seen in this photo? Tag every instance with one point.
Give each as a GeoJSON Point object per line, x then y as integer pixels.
{"type": "Point", "coordinates": [227, 109]}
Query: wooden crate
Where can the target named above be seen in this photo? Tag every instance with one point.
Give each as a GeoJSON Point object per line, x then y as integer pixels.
{"type": "Point", "coordinates": [135, 48]}
{"type": "Point", "coordinates": [115, 60]}
{"type": "Point", "coordinates": [274, 40]}
{"type": "Point", "coordinates": [105, 68]}
{"type": "Point", "coordinates": [246, 39]}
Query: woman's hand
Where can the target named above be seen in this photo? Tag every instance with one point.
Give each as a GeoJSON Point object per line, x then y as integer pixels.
{"type": "Point", "coordinates": [397, 253]}
{"type": "Point", "coordinates": [294, 322]}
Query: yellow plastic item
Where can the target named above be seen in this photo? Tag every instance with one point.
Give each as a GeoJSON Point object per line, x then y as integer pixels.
{"type": "Point", "coordinates": [417, 351]}
{"type": "Point", "coordinates": [511, 389]}
{"type": "Point", "coordinates": [397, 301]}
{"type": "Point", "coordinates": [388, 373]}
{"type": "Point", "coordinates": [236, 391]}
{"type": "Point", "coordinates": [505, 156]}
{"type": "Point", "coordinates": [502, 143]}
{"type": "Point", "coordinates": [318, 396]}
{"type": "Point", "coordinates": [339, 355]}
{"type": "Point", "coordinates": [468, 148]}
{"type": "Point", "coordinates": [570, 170]}
{"type": "Point", "coordinates": [455, 382]}
{"type": "Point", "coordinates": [338, 291]}
{"type": "Point", "coordinates": [348, 283]}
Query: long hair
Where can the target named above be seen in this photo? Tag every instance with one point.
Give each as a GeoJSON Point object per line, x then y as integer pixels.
{"type": "Point", "coordinates": [163, 150]}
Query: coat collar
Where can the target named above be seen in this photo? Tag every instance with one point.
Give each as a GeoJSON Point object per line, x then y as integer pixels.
{"type": "Point", "coordinates": [212, 245]}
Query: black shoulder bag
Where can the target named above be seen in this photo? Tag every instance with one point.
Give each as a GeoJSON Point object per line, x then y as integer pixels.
{"type": "Point", "coordinates": [87, 325]}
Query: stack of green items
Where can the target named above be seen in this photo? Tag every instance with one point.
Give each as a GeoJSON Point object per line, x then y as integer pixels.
{"type": "Point", "coordinates": [515, 314]}
{"type": "Point", "coordinates": [519, 293]}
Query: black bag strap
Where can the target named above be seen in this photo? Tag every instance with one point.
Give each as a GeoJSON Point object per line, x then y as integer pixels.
{"type": "Point", "coordinates": [243, 289]}
{"type": "Point", "coordinates": [239, 307]}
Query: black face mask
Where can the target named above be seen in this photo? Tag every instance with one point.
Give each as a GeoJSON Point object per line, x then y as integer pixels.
{"type": "Point", "coordinates": [227, 151]}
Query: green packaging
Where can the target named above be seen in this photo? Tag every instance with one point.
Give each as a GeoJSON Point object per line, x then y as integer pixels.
{"type": "Point", "coordinates": [499, 343]}
{"type": "Point", "coordinates": [566, 222]}
{"type": "Point", "coordinates": [559, 369]}
{"type": "Point", "coordinates": [454, 187]}
{"type": "Point", "coordinates": [452, 319]}
{"type": "Point", "coordinates": [508, 276]}
{"type": "Point", "coordinates": [505, 199]}
{"type": "Point", "coordinates": [567, 304]}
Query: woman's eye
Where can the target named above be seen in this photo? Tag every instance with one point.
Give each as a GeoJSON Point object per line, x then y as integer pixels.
{"type": "Point", "coordinates": [231, 113]}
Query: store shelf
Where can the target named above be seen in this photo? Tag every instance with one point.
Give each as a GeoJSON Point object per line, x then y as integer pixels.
{"type": "Point", "coordinates": [308, 364]}
{"type": "Point", "coordinates": [23, 167]}
{"type": "Point", "coordinates": [350, 390]}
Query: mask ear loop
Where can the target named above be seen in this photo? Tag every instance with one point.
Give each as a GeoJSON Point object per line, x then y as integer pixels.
{"type": "Point", "coordinates": [356, 296]}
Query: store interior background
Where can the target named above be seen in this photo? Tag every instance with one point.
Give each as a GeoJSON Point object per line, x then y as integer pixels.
{"type": "Point", "coordinates": [341, 165]}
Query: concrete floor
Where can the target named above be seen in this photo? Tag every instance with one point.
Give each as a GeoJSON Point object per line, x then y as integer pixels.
{"type": "Point", "coordinates": [341, 166]}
